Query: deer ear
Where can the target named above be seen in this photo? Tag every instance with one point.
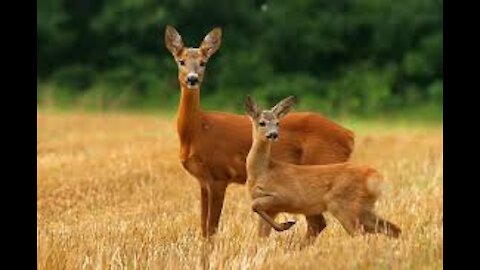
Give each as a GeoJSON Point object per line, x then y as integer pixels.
{"type": "Point", "coordinates": [283, 107]}
{"type": "Point", "coordinates": [173, 40]}
{"type": "Point", "coordinates": [211, 42]}
{"type": "Point", "coordinates": [250, 107]}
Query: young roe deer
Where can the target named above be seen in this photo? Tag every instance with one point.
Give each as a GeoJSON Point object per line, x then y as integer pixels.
{"type": "Point", "coordinates": [214, 145]}
{"type": "Point", "coordinates": [347, 191]}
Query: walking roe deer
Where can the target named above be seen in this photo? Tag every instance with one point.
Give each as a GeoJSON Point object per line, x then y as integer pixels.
{"type": "Point", "coordinates": [214, 145]}
{"type": "Point", "coordinates": [347, 191]}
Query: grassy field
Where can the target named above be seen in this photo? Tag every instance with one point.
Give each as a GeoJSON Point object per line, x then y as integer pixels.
{"type": "Point", "coordinates": [112, 195]}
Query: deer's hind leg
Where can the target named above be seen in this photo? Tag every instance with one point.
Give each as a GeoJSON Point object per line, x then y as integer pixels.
{"type": "Point", "coordinates": [345, 216]}
{"type": "Point", "coordinates": [374, 224]}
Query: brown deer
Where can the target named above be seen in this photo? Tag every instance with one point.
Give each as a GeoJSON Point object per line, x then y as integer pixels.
{"type": "Point", "coordinates": [347, 191]}
{"type": "Point", "coordinates": [214, 145]}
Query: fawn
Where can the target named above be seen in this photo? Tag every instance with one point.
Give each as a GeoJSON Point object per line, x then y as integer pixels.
{"type": "Point", "coordinates": [347, 191]}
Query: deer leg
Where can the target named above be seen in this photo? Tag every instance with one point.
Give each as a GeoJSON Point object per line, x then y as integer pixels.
{"type": "Point", "coordinates": [263, 204]}
{"type": "Point", "coordinates": [279, 227]}
{"type": "Point", "coordinates": [204, 209]}
{"type": "Point", "coordinates": [341, 213]}
{"type": "Point", "coordinates": [264, 228]}
{"type": "Point", "coordinates": [216, 197]}
{"type": "Point", "coordinates": [316, 224]}
{"type": "Point", "coordinates": [374, 224]}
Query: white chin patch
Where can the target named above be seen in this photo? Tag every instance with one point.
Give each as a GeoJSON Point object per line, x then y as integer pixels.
{"type": "Point", "coordinates": [190, 86]}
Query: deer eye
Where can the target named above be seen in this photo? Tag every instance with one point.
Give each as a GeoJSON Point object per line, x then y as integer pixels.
{"type": "Point", "coordinates": [182, 63]}
{"type": "Point", "coordinates": [277, 124]}
{"type": "Point", "coordinates": [202, 64]}
{"type": "Point", "coordinates": [262, 124]}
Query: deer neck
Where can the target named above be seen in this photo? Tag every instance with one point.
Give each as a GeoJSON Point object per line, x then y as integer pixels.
{"type": "Point", "coordinates": [188, 120]}
{"type": "Point", "coordinates": [258, 159]}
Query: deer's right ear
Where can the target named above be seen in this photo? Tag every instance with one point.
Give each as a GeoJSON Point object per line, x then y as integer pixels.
{"type": "Point", "coordinates": [173, 40]}
{"type": "Point", "coordinates": [250, 107]}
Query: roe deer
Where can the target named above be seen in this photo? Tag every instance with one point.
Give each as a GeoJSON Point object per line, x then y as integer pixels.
{"type": "Point", "coordinates": [214, 145]}
{"type": "Point", "coordinates": [347, 191]}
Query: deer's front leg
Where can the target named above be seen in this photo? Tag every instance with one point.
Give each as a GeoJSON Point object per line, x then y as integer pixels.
{"type": "Point", "coordinates": [264, 228]}
{"type": "Point", "coordinates": [262, 205]}
{"type": "Point", "coordinates": [204, 210]}
{"type": "Point", "coordinates": [216, 197]}
{"type": "Point", "coordinates": [316, 224]}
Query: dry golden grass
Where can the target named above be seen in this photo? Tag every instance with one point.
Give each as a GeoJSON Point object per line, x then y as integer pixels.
{"type": "Point", "coordinates": [112, 195]}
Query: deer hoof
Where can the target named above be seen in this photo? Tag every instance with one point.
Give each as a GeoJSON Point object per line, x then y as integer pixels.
{"type": "Point", "coordinates": [288, 224]}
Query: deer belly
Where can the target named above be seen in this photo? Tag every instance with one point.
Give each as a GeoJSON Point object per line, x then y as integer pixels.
{"type": "Point", "coordinates": [227, 168]}
{"type": "Point", "coordinates": [229, 172]}
{"type": "Point", "coordinates": [313, 207]}
{"type": "Point", "coordinates": [215, 171]}
{"type": "Point", "coordinates": [298, 204]}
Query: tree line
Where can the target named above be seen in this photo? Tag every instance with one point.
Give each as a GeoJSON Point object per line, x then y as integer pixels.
{"type": "Point", "coordinates": [344, 56]}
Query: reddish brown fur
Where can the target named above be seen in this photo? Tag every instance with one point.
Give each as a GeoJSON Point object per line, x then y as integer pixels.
{"type": "Point", "coordinates": [214, 145]}
{"type": "Point", "coordinates": [347, 191]}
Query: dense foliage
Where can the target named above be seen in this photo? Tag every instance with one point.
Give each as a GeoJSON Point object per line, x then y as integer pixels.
{"type": "Point", "coordinates": [343, 56]}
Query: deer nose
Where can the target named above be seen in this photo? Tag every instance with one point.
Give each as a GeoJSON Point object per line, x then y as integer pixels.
{"type": "Point", "coordinates": [272, 135]}
{"type": "Point", "coordinates": [192, 79]}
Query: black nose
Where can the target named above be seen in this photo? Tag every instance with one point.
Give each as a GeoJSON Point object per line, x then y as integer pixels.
{"type": "Point", "coordinates": [192, 80]}
{"type": "Point", "coordinates": [272, 135]}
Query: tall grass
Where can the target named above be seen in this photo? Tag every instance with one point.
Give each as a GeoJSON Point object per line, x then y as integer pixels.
{"type": "Point", "coordinates": [112, 195]}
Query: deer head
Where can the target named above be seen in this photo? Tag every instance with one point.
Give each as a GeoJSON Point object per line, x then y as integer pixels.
{"type": "Point", "coordinates": [191, 61]}
{"type": "Point", "coordinates": [266, 122]}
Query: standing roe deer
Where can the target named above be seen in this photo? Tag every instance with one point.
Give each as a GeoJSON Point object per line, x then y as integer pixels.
{"type": "Point", "coordinates": [347, 191]}
{"type": "Point", "coordinates": [214, 145]}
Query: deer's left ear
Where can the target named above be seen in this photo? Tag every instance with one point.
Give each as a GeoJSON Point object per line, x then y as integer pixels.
{"type": "Point", "coordinates": [251, 108]}
{"type": "Point", "coordinates": [283, 107]}
{"type": "Point", "coordinates": [211, 42]}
